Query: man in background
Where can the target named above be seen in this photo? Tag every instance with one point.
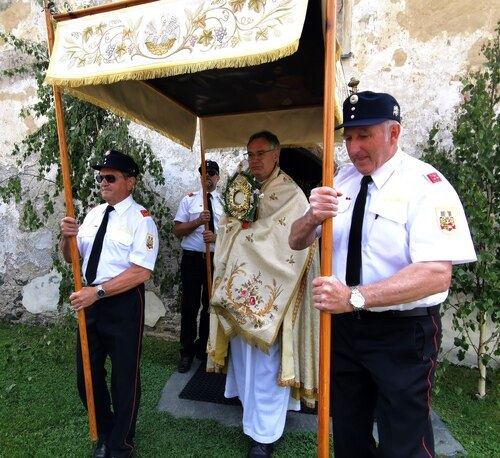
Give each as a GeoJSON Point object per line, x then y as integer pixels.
{"type": "Point", "coordinates": [189, 224]}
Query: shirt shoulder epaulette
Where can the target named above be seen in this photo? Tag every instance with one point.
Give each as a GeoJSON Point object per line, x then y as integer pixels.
{"type": "Point", "coordinates": [145, 213]}
{"type": "Point", "coordinates": [191, 194]}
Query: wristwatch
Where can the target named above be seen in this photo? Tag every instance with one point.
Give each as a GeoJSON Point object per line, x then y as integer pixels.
{"type": "Point", "coordinates": [357, 300]}
{"type": "Point", "coordinates": [100, 292]}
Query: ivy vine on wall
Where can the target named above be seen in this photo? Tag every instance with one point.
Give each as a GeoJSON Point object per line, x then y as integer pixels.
{"type": "Point", "coordinates": [36, 184]}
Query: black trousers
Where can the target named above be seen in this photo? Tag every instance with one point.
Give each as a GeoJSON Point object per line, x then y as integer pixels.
{"type": "Point", "coordinates": [114, 328]}
{"type": "Point", "coordinates": [194, 295]}
{"type": "Point", "coordinates": [383, 369]}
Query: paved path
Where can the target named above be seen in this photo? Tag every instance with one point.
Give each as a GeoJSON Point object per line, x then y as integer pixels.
{"type": "Point", "coordinates": [230, 415]}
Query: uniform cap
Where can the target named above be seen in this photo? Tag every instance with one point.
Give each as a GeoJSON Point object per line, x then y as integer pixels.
{"type": "Point", "coordinates": [368, 108]}
{"type": "Point", "coordinates": [116, 160]}
{"type": "Point", "coordinates": [210, 165]}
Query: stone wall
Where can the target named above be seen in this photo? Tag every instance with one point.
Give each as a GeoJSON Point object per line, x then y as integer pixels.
{"type": "Point", "coordinates": [418, 50]}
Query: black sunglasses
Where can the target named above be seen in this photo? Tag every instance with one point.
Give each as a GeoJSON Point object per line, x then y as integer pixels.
{"type": "Point", "coordinates": [108, 178]}
{"type": "Point", "coordinates": [211, 173]}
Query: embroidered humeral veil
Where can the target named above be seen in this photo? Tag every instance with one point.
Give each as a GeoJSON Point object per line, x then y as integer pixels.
{"type": "Point", "coordinates": [260, 287]}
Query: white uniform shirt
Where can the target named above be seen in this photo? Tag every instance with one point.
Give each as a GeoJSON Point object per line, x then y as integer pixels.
{"type": "Point", "coordinates": [189, 209]}
{"type": "Point", "coordinates": [412, 214]}
{"type": "Point", "coordinates": [131, 238]}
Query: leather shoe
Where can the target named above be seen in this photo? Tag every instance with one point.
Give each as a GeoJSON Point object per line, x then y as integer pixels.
{"type": "Point", "coordinates": [101, 451]}
{"type": "Point", "coordinates": [184, 364]}
{"type": "Point", "coordinates": [258, 450]}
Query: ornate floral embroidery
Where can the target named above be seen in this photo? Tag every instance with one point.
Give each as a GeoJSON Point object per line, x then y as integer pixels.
{"type": "Point", "coordinates": [290, 260]}
{"type": "Point", "coordinates": [282, 221]}
{"type": "Point", "coordinates": [247, 300]}
{"type": "Point", "coordinates": [212, 25]}
{"type": "Point", "coordinates": [249, 238]}
{"type": "Point", "coordinates": [273, 196]}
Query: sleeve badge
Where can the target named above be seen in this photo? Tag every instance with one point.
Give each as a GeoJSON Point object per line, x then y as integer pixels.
{"type": "Point", "coordinates": [446, 220]}
{"type": "Point", "coordinates": [150, 242]}
{"type": "Point", "coordinates": [145, 213]}
{"type": "Point", "coordinates": [434, 177]}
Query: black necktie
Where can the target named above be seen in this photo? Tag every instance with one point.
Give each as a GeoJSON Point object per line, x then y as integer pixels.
{"type": "Point", "coordinates": [353, 266]}
{"type": "Point", "coordinates": [211, 225]}
{"type": "Point", "coordinates": [95, 254]}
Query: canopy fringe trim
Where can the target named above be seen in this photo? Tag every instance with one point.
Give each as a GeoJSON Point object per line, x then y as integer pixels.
{"type": "Point", "coordinates": [166, 71]}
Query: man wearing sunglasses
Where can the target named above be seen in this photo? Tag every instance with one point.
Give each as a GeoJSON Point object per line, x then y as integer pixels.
{"type": "Point", "coordinates": [118, 244]}
{"type": "Point", "coordinates": [189, 224]}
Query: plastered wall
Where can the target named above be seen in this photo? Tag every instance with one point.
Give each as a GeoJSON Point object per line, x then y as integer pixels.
{"type": "Point", "coordinates": [418, 50]}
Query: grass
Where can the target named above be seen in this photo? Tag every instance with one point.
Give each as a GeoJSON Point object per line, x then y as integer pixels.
{"type": "Point", "coordinates": [41, 414]}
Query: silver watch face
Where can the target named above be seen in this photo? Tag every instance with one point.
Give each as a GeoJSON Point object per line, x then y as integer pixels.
{"type": "Point", "coordinates": [100, 291]}
{"type": "Point", "coordinates": [357, 300]}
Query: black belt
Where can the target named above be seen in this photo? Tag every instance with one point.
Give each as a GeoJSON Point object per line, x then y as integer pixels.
{"type": "Point", "coordinates": [195, 254]}
{"type": "Point", "coordinates": [420, 311]}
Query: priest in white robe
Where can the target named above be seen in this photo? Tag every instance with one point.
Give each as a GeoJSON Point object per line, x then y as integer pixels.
{"type": "Point", "coordinates": [264, 331]}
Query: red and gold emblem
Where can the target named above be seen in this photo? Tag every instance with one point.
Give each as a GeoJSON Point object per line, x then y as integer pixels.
{"type": "Point", "coordinates": [150, 242]}
{"type": "Point", "coordinates": [446, 221]}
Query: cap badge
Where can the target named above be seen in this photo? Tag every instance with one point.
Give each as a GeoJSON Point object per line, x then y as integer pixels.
{"type": "Point", "coordinates": [353, 99]}
{"type": "Point", "coordinates": [395, 111]}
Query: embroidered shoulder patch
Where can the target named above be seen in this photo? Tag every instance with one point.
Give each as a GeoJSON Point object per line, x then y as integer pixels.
{"type": "Point", "coordinates": [145, 213]}
{"type": "Point", "coordinates": [191, 194]}
{"type": "Point", "coordinates": [446, 220]}
{"type": "Point", "coordinates": [434, 177]}
{"type": "Point", "coordinates": [150, 242]}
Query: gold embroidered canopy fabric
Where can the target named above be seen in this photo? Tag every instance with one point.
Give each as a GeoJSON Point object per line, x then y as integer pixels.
{"type": "Point", "coordinates": [170, 37]}
{"type": "Point", "coordinates": [237, 65]}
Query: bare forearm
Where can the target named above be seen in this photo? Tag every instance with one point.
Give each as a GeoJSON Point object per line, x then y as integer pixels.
{"type": "Point", "coordinates": [183, 229]}
{"type": "Point", "coordinates": [414, 282]}
{"type": "Point", "coordinates": [69, 231]}
{"type": "Point", "coordinates": [65, 247]}
{"type": "Point", "coordinates": [302, 233]}
{"type": "Point", "coordinates": [130, 278]}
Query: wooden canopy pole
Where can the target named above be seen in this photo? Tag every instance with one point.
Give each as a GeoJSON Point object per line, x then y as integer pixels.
{"type": "Point", "coordinates": [75, 257]}
{"type": "Point", "coordinates": [205, 207]}
{"type": "Point", "coordinates": [99, 9]}
{"type": "Point", "coordinates": [327, 234]}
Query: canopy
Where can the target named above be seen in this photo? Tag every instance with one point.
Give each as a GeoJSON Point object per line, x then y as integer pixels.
{"type": "Point", "coordinates": [238, 65]}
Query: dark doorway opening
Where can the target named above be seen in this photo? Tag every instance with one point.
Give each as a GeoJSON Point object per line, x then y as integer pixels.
{"type": "Point", "coordinates": [303, 165]}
